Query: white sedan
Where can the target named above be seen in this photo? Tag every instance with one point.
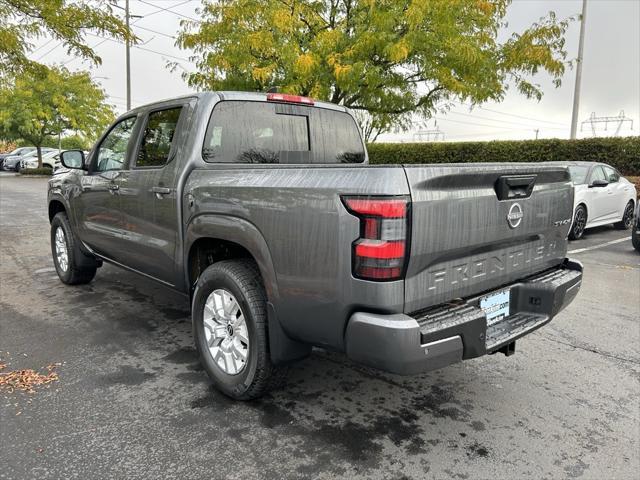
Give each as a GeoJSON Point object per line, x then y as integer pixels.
{"type": "Point", "coordinates": [602, 197]}
{"type": "Point", "coordinates": [49, 160]}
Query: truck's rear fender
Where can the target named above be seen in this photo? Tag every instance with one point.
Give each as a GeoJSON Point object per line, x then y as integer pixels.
{"type": "Point", "coordinates": [298, 211]}
{"type": "Point", "coordinates": [236, 231]}
{"type": "Point", "coordinates": [238, 238]}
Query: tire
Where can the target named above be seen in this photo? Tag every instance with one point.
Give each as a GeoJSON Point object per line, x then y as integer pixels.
{"type": "Point", "coordinates": [221, 352]}
{"type": "Point", "coordinates": [635, 239]}
{"type": "Point", "coordinates": [579, 223]}
{"type": "Point", "coordinates": [72, 269]}
{"type": "Point", "coordinates": [627, 218]}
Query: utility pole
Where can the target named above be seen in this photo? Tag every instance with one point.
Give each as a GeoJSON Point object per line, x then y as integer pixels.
{"type": "Point", "coordinates": [127, 18]}
{"type": "Point", "coordinates": [128, 58]}
{"type": "Point", "coordinates": [576, 91]}
{"type": "Point", "coordinates": [537, 130]}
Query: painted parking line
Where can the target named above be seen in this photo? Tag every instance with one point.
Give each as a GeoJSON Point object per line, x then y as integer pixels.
{"type": "Point", "coordinates": [595, 247]}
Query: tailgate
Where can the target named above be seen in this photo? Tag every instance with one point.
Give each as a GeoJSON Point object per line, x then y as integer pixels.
{"type": "Point", "coordinates": [476, 227]}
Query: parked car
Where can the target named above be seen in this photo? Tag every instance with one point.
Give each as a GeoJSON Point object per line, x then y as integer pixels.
{"type": "Point", "coordinates": [635, 233]}
{"type": "Point", "coordinates": [18, 152]}
{"type": "Point", "coordinates": [262, 209]}
{"type": "Point", "coordinates": [602, 197]}
{"type": "Point", "coordinates": [14, 162]}
{"type": "Point", "coordinates": [49, 160]}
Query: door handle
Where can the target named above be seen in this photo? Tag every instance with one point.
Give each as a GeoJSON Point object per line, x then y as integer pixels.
{"type": "Point", "coordinates": [160, 191]}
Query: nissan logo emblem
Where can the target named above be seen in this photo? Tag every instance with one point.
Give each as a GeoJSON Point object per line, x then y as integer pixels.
{"type": "Point", "coordinates": [514, 217]}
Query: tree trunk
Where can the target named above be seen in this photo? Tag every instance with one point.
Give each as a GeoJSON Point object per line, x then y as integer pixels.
{"type": "Point", "coordinates": [39, 149]}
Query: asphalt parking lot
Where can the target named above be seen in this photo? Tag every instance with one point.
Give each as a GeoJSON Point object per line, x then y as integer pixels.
{"type": "Point", "coordinates": [132, 402]}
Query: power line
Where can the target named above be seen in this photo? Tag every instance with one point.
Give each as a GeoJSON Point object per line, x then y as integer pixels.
{"type": "Point", "coordinates": [168, 9]}
{"type": "Point", "coordinates": [42, 46]}
{"type": "Point", "coordinates": [163, 54]}
{"type": "Point", "coordinates": [143, 48]}
{"type": "Point", "coordinates": [155, 31]}
{"type": "Point", "coordinates": [48, 51]}
{"type": "Point", "coordinates": [480, 124]}
{"type": "Point", "coordinates": [510, 114]}
{"type": "Point", "coordinates": [503, 121]}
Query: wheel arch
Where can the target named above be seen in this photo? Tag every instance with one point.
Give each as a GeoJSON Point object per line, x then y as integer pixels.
{"type": "Point", "coordinates": [56, 206]}
{"type": "Point", "coordinates": [225, 238]}
{"type": "Point", "coordinates": [583, 204]}
{"type": "Point", "coordinates": [221, 237]}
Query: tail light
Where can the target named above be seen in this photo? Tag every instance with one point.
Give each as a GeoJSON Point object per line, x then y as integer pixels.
{"type": "Point", "coordinates": [381, 250]}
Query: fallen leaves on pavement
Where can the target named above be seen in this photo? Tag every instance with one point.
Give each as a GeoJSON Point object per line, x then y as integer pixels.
{"type": "Point", "coordinates": [25, 380]}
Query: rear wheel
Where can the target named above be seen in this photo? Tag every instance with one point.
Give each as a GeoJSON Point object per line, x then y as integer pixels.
{"type": "Point", "coordinates": [627, 218]}
{"type": "Point", "coordinates": [71, 269]}
{"type": "Point", "coordinates": [229, 315]}
{"type": "Point", "coordinates": [579, 223]}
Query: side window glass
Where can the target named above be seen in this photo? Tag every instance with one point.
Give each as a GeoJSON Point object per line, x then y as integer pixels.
{"type": "Point", "coordinates": [612, 175]}
{"type": "Point", "coordinates": [112, 152]}
{"type": "Point", "coordinates": [158, 135]}
{"type": "Point", "coordinates": [597, 174]}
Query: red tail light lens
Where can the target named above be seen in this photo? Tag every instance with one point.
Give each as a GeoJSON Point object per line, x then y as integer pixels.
{"type": "Point", "coordinates": [380, 251]}
{"type": "Point", "coordinates": [286, 98]}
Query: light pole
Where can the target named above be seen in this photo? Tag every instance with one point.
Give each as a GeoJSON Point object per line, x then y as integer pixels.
{"type": "Point", "coordinates": [576, 91]}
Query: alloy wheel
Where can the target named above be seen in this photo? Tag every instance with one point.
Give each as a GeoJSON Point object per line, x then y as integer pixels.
{"type": "Point", "coordinates": [579, 223]}
{"type": "Point", "coordinates": [226, 332]}
{"type": "Point", "coordinates": [61, 249]}
{"type": "Point", "coordinates": [627, 218]}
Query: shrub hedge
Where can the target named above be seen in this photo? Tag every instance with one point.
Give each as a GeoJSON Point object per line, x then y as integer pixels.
{"type": "Point", "coordinates": [36, 171]}
{"type": "Point", "coordinates": [622, 153]}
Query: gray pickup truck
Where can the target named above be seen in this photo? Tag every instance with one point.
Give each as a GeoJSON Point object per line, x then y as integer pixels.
{"type": "Point", "coordinates": [263, 209]}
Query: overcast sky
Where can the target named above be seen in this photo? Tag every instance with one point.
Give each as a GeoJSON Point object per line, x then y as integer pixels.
{"type": "Point", "coordinates": [611, 72]}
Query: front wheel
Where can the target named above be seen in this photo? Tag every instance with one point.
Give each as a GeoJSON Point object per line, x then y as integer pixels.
{"type": "Point", "coordinates": [229, 314]}
{"type": "Point", "coordinates": [627, 218]}
{"type": "Point", "coordinates": [70, 268]}
{"type": "Point", "coordinates": [579, 223]}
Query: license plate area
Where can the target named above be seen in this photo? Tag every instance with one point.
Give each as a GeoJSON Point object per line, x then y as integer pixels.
{"type": "Point", "coordinates": [496, 306]}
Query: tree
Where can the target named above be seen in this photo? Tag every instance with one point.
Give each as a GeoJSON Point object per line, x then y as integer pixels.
{"type": "Point", "coordinates": [390, 58]}
{"type": "Point", "coordinates": [65, 21]}
{"type": "Point", "coordinates": [45, 102]}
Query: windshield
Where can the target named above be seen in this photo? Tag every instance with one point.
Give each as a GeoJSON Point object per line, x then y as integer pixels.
{"type": "Point", "coordinates": [578, 174]}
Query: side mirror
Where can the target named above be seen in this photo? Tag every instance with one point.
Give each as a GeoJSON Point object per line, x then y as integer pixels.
{"type": "Point", "coordinates": [598, 183]}
{"type": "Point", "coordinates": [73, 159]}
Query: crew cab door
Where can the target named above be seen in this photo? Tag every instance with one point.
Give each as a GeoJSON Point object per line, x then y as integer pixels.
{"type": "Point", "coordinates": [147, 192]}
{"type": "Point", "coordinates": [619, 192]}
{"type": "Point", "coordinates": [98, 204]}
{"type": "Point", "coordinates": [602, 201]}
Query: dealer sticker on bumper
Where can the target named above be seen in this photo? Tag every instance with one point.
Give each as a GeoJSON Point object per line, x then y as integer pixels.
{"type": "Point", "coordinates": [495, 306]}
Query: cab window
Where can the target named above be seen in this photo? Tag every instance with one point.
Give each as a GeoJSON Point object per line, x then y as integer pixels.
{"type": "Point", "coordinates": [157, 138]}
{"type": "Point", "coordinates": [112, 152]}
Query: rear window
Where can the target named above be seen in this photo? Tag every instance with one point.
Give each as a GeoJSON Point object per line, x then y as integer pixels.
{"type": "Point", "coordinates": [263, 132]}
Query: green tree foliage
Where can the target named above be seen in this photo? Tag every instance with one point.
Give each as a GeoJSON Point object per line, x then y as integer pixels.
{"type": "Point", "coordinates": [46, 102]}
{"type": "Point", "coordinates": [389, 58]}
{"type": "Point", "coordinates": [65, 21]}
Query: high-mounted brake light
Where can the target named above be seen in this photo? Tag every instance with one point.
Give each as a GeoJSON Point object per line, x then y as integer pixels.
{"type": "Point", "coordinates": [286, 98]}
{"type": "Point", "coordinates": [381, 250]}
